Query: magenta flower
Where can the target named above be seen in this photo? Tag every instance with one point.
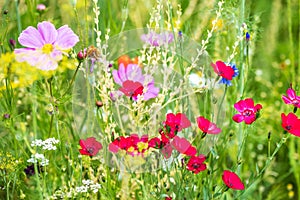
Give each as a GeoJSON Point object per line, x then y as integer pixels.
{"type": "Point", "coordinates": [45, 45]}
{"type": "Point", "coordinates": [207, 126]}
{"type": "Point", "coordinates": [90, 146]}
{"type": "Point", "coordinates": [291, 123]}
{"type": "Point", "coordinates": [132, 80]}
{"type": "Point", "coordinates": [248, 112]}
{"type": "Point", "coordinates": [196, 164]}
{"type": "Point", "coordinates": [232, 180]}
{"type": "Point", "coordinates": [175, 123]}
{"type": "Point", "coordinates": [291, 98]}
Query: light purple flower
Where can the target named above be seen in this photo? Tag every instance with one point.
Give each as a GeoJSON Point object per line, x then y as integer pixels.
{"type": "Point", "coordinates": [45, 45]}
{"type": "Point", "coordinates": [41, 7]}
{"type": "Point", "coordinates": [157, 39]}
{"type": "Point", "coordinates": [128, 77]}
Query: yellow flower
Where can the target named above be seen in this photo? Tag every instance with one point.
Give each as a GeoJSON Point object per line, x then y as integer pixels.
{"type": "Point", "coordinates": [21, 74]}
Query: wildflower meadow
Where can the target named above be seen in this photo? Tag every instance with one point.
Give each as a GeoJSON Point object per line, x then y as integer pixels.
{"type": "Point", "coordinates": [150, 99]}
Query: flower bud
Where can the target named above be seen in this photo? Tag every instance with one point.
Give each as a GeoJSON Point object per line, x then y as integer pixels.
{"type": "Point", "coordinates": [12, 43]}
{"type": "Point", "coordinates": [81, 55]}
{"type": "Point", "coordinates": [41, 7]}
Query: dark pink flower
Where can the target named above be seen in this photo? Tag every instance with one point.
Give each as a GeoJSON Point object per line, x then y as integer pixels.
{"type": "Point", "coordinates": [196, 164]}
{"type": "Point", "coordinates": [132, 80]}
{"type": "Point", "coordinates": [291, 123]}
{"type": "Point", "coordinates": [207, 126]}
{"type": "Point", "coordinates": [248, 112]}
{"type": "Point", "coordinates": [232, 180]}
{"type": "Point", "coordinates": [175, 123]}
{"type": "Point", "coordinates": [90, 146]}
{"type": "Point", "coordinates": [291, 98]}
{"type": "Point", "coordinates": [133, 144]}
{"type": "Point", "coordinates": [132, 89]}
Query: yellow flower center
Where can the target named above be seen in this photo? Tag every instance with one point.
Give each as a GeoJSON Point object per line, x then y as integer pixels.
{"type": "Point", "coordinates": [130, 149]}
{"type": "Point", "coordinates": [141, 146]}
{"type": "Point", "coordinates": [47, 48]}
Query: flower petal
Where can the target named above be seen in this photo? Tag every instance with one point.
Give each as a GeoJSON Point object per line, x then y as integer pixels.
{"type": "Point", "coordinates": [66, 38]}
{"type": "Point", "coordinates": [238, 118]}
{"type": "Point", "coordinates": [31, 38]}
{"type": "Point", "coordinates": [47, 31]}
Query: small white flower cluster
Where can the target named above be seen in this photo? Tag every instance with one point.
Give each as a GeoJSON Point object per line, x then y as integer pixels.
{"type": "Point", "coordinates": [48, 144]}
{"type": "Point", "coordinates": [88, 185]}
{"type": "Point", "coordinates": [38, 158]}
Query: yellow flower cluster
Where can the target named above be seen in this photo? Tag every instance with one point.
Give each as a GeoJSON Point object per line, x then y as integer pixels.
{"type": "Point", "coordinates": [21, 74]}
{"type": "Point", "coordinates": [8, 162]}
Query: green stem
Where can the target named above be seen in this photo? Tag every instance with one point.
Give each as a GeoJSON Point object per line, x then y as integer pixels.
{"type": "Point", "coordinates": [221, 103]}
{"type": "Point", "coordinates": [18, 17]}
{"type": "Point", "coordinates": [268, 162]}
{"type": "Point", "coordinates": [72, 80]}
{"type": "Point", "coordinates": [241, 151]}
{"type": "Point", "coordinates": [291, 43]}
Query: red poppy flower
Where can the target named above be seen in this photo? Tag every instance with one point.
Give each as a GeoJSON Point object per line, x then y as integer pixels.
{"type": "Point", "coordinates": [90, 146]}
{"type": "Point", "coordinates": [168, 198]}
{"type": "Point", "coordinates": [248, 112]}
{"type": "Point", "coordinates": [207, 126]}
{"type": "Point", "coordinates": [291, 123]}
{"type": "Point", "coordinates": [291, 98]}
{"type": "Point", "coordinates": [183, 146]}
{"type": "Point", "coordinates": [176, 123]}
{"type": "Point", "coordinates": [196, 164]}
{"type": "Point", "coordinates": [232, 180]}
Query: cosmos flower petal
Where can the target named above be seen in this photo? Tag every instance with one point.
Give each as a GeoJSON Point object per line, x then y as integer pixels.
{"type": "Point", "coordinates": [66, 38]}
{"type": "Point", "coordinates": [31, 38]}
{"type": "Point", "coordinates": [47, 31]}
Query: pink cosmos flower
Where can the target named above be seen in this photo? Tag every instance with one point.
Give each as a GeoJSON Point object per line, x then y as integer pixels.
{"type": "Point", "coordinates": [131, 80]}
{"type": "Point", "coordinates": [248, 112]}
{"type": "Point", "coordinates": [196, 164]}
{"type": "Point", "coordinates": [291, 123]}
{"type": "Point", "coordinates": [291, 98]}
{"type": "Point", "coordinates": [45, 45]}
{"type": "Point", "coordinates": [232, 180]}
{"type": "Point", "coordinates": [90, 146]}
{"type": "Point", "coordinates": [207, 127]}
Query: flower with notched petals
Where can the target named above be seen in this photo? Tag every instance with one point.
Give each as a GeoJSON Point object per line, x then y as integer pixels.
{"type": "Point", "coordinates": [90, 146]}
{"type": "Point", "coordinates": [196, 164]}
{"type": "Point", "coordinates": [248, 111]}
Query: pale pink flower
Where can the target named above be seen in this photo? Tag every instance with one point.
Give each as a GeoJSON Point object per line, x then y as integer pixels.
{"type": "Point", "coordinates": [45, 45]}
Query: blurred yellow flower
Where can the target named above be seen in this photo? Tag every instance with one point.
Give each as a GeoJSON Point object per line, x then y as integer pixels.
{"type": "Point", "coordinates": [22, 74]}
